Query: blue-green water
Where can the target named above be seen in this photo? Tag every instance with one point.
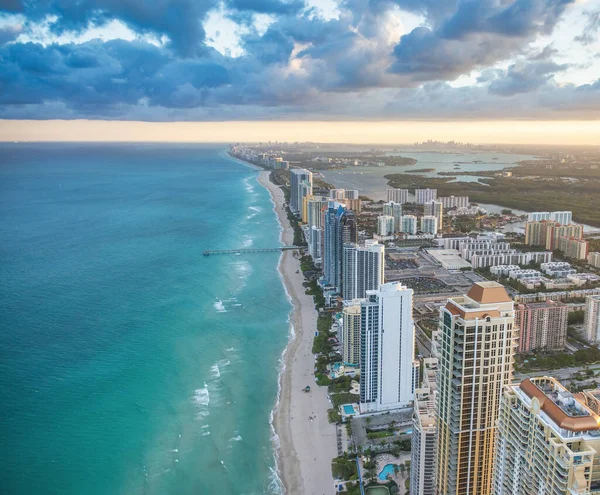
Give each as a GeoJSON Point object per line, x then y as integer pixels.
{"type": "Point", "coordinates": [130, 363]}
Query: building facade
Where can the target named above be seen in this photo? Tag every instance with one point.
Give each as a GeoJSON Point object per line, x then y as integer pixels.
{"type": "Point", "coordinates": [387, 340]}
{"type": "Point", "coordinates": [399, 196]}
{"type": "Point", "coordinates": [476, 350]}
{"type": "Point", "coordinates": [591, 320]}
{"type": "Point", "coordinates": [362, 269]}
{"type": "Point", "coordinates": [594, 259]}
{"type": "Point", "coordinates": [394, 210]}
{"type": "Point", "coordinates": [423, 196]}
{"type": "Point", "coordinates": [385, 225]}
{"type": "Point", "coordinates": [542, 326]}
{"type": "Point", "coordinates": [409, 224]}
{"type": "Point", "coordinates": [339, 229]}
{"type": "Point", "coordinates": [298, 176]}
{"type": "Point", "coordinates": [454, 202]}
{"type": "Point", "coordinates": [573, 247]}
{"type": "Point", "coordinates": [548, 441]}
{"type": "Point", "coordinates": [429, 224]}
{"type": "Point", "coordinates": [351, 332]}
{"type": "Point", "coordinates": [424, 433]}
{"type": "Point", "coordinates": [435, 209]}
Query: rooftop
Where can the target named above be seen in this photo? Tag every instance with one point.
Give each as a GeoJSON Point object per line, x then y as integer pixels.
{"type": "Point", "coordinates": [488, 292]}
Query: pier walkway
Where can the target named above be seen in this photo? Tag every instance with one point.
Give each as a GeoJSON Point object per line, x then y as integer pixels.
{"type": "Point", "coordinates": [251, 250]}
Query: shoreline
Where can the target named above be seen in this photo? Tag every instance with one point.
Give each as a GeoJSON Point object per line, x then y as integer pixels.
{"type": "Point", "coordinates": [304, 447]}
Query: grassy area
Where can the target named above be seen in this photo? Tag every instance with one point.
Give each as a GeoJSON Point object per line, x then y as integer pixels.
{"type": "Point", "coordinates": [343, 398]}
{"type": "Point", "coordinates": [379, 434]}
{"type": "Point", "coordinates": [344, 468]}
{"type": "Point", "coordinates": [334, 415]}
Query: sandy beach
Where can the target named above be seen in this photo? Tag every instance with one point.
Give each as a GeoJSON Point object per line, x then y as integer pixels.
{"type": "Point", "coordinates": [306, 445]}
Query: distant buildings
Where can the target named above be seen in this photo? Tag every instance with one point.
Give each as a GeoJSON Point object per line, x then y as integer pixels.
{"type": "Point", "coordinates": [554, 235]}
{"type": "Point", "coordinates": [561, 217]}
{"type": "Point", "coordinates": [409, 224]}
{"type": "Point", "coordinates": [385, 225]}
{"type": "Point", "coordinates": [363, 269]}
{"type": "Point", "coordinates": [351, 332]}
{"type": "Point", "coordinates": [386, 349]}
{"type": "Point", "coordinates": [542, 326]}
{"type": "Point", "coordinates": [343, 194]}
{"type": "Point", "coordinates": [424, 433]}
{"type": "Point", "coordinates": [557, 269]}
{"type": "Point", "coordinates": [339, 229]}
{"type": "Point", "coordinates": [483, 253]}
{"type": "Point", "coordinates": [315, 245]}
{"type": "Point", "coordinates": [573, 247]}
{"type": "Point", "coordinates": [423, 196]}
{"type": "Point", "coordinates": [315, 209]}
{"type": "Point", "coordinates": [435, 209]}
{"type": "Point", "coordinates": [476, 351]}
{"type": "Point", "coordinates": [548, 441]}
{"type": "Point", "coordinates": [399, 196]}
{"type": "Point", "coordinates": [300, 186]}
{"type": "Point", "coordinates": [591, 323]}
{"type": "Point", "coordinates": [429, 224]}
{"type": "Point", "coordinates": [394, 210]}
{"type": "Point", "coordinates": [454, 202]}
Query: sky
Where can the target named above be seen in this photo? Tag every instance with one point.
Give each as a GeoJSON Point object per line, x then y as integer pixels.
{"type": "Point", "coordinates": [343, 65]}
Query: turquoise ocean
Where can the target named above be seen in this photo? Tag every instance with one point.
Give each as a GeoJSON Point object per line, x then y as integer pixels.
{"type": "Point", "coordinates": [129, 362]}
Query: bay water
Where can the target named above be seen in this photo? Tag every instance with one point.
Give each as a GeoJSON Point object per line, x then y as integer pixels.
{"type": "Point", "coordinates": [129, 362]}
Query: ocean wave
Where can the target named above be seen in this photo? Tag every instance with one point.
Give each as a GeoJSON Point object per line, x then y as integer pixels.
{"type": "Point", "coordinates": [202, 400]}
{"type": "Point", "coordinates": [237, 438]}
{"type": "Point", "coordinates": [218, 305]}
{"type": "Point", "coordinates": [216, 372]}
{"type": "Point", "coordinates": [206, 433]}
{"type": "Point", "coordinates": [255, 208]}
{"type": "Point", "coordinates": [231, 349]}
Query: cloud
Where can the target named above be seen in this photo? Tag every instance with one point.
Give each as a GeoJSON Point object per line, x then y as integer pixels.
{"type": "Point", "coordinates": [477, 34]}
{"type": "Point", "coordinates": [590, 31]}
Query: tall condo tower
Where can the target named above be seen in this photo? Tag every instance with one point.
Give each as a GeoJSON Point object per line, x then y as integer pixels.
{"type": "Point", "coordinates": [399, 196]}
{"type": "Point", "coordinates": [423, 196]}
{"type": "Point", "coordinates": [351, 332]}
{"type": "Point", "coordinates": [339, 229]}
{"type": "Point", "coordinates": [362, 270]}
{"type": "Point", "coordinates": [300, 186]}
{"type": "Point", "coordinates": [476, 350]}
{"type": "Point", "coordinates": [387, 341]}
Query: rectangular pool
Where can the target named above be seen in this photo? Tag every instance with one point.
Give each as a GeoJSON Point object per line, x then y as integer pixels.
{"type": "Point", "coordinates": [348, 409]}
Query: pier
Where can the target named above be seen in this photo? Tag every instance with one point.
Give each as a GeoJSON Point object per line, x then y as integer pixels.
{"type": "Point", "coordinates": [251, 250]}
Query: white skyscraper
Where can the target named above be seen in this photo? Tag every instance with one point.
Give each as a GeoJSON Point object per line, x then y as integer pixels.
{"type": "Point", "coordinates": [315, 209]}
{"type": "Point", "coordinates": [385, 225]}
{"type": "Point", "coordinates": [315, 246]}
{"type": "Point", "coordinates": [429, 224]}
{"type": "Point", "coordinates": [409, 224]}
{"type": "Point", "coordinates": [387, 341]}
{"type": "Point", "coordinates": [394, 210]}
{"type": "Point", "coordinates": [423, 196]}
{"type": "Point", "coordinates": [362, 270]}
{"type": "Point", "coordinates": [397, 195]}
{"type": "Point", "coordinates": [298, 176]}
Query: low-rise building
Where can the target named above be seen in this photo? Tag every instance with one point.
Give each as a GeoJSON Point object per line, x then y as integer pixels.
{"type": "Point", "coordinates": [557, 269]}
{"type": "Point", "coordinates": [583, 278]}
{"type": "Point", "coordinates": [594, 259]}
{"type": "Point", "coordinates": [503, 270]}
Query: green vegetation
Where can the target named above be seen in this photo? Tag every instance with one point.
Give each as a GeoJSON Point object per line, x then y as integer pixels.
{"type": "Point", "coordinates": [576, 317]}
{"type": "Point", "coordinates": [556, 360]}
{"type": "Point", "coordinates": [580, 196]}
{"type": "Point", "coordinates": [334, 415]}
{"type": "Point", "coordinates": [464, 224]}
{"type": "Point", "coordinates": [313, 289]}
{"type": "Point", "coordinates": [341, 384]}
{"type": "Point", "coordinates": [379, 434]}
{"type": "Point", "coordinates": [343, 398]}
{"type": "Point", "coordinates": [344, 468]}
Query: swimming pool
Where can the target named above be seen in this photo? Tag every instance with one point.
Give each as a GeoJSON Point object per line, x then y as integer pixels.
{"type": "Point", "coordinates": [387, 469]}
{"type": "Point", "coordinates": [349, 409]}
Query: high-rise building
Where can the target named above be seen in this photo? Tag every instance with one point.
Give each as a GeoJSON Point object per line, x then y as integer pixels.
{"type": "Point", "coordinates": [315, 208]}
{"type": "Point", "coordinates": [536, 232]}
{"type": "Point", "coordinates": [591, 320]}
{"type": "Point", "coordinates": [423, 196]}
{"type": "Point", "coordinates": [397, 195]}
{"type": "Point", "coordinates": [306, 199]}
{"type": "Point", "coordinates": [394, 210]}
{"type": "Point", "coordinates": [385, 225]}
{"type": "Point", "coordinates": [409, 224]}
{"type": "Point", "coordinates": [435, 209]}
{"type": "Point", "coordinates": [339, 229]}
{"type": "Point", "coordinates": [351, 332]}
{"type": "Point", "coordinates": [340, 194]}
{"type": "Point", "coordinates": [477, 342]}
{"type": "Point", "coordinates": [362, 270]}
{"type": "Point", "coordinates": [298, 176]}
{"type": "Point", "coordinates": [548, 441]}
{"type": "Point", "coordinates": [387, 340]}
{"type": "Point", "coordinates": [315, 245]}
{"type": "Point", "coordinates": [424, 433]}
{"type": "Point", "coordinates": [542, 326]}
{"type": "Point", "coordinates": [429, 224]}
{"type": "Point", "coordinates": [454, 202]}
{"type": "Point", "coordinates": [555, 231]}
{"type": "Point", "coordinates": [573, 247]}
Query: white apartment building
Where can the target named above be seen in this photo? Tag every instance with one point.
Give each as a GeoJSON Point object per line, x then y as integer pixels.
{"type": "Point", "coordinates": [423, 196]}
{"type": "Point", "coordinates": [562, 217]}
{"type": "Point", "coordinates": [315, 208]}
{"type": "Point", "coordinates": [436, 209]}
{"type": "Point", "coordinates": [429, 224]}
{"type": "Point", "coordinates": [394, 210]}
{"type": "Point", "coordinates": [315, 245]}
{"type": "Point", "coordinates": [591, 323]}
{"type": "Point", "coordinates": [557, 269]}
{"type": "Point", "coordinates": [503, 270]}
{"type": "Point", "coordinates": [454, 201]}
{"type": "Point", "coordinates": [594, 260]}
{"type": "Point", "coordinates": [385, 225]}
{"type": "Point", "coordinates": [387, 342]}
{"type": "Point", "coordinates": [362, 270]}
{"type": "Point", "coordinates": [399, 196]}
{"type": "Point", "coordinates": [409, 224]}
